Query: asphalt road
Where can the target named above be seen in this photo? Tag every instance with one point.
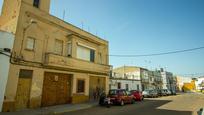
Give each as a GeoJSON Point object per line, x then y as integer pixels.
{"type": "Point", "coordinates": [185, 104]}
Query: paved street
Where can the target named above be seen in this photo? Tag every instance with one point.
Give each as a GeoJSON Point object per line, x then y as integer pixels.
{"type": "Point", "coordinates": [184, 104]}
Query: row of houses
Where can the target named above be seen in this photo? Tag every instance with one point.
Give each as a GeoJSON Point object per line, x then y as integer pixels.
{"type": "Point", "coordinates": [45, 61]}
{"type": "Point", "coordinates": [138, 78]}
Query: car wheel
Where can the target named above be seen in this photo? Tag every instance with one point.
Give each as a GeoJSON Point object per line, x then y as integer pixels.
{"type": "Point", "coordinates": [122, 103]}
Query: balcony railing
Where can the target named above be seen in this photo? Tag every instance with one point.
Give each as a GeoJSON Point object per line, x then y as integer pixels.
{"type": "Point", "coordinates": [75, 64]}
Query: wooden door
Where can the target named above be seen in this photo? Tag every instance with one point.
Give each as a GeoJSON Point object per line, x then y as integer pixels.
{"type": "Point", "coordinates": [56, 89]}
{"type": "Point", "coordinates": [23, 93]}
{"type": "Point", "coordinates": [49, 91]}
{"type": "Point", "coordinates": [63, 90]}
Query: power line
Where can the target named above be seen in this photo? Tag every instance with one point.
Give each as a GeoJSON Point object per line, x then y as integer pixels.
{"type": "Point", "coordinates": [157, 54]}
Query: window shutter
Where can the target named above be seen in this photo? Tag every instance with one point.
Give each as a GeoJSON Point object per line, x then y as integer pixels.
{"type": "Point", "coordinates": [30, 43]}
{"type": "Point", "coordinates": [58, 47]}
{"type": "Point", "coordinates": [92, 55]}
{"type": "Point", "coordinates": [83, 53]}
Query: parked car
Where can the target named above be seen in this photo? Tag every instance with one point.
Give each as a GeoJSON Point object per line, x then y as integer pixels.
{"type": "Point", "coordinates": [154, 93]}
{"type": "Point", "coordinates": [162, 92]}
{"type": "Point", "coordinates": [159, 91]}
{"type": "Point", "coordinates": [137, 94]}
{"type": "Point", "coordinates": [150, 93]}
{"type": "Point", "coordinates": [146, 93]}
{"type": "Point", "coordinates": [168, 92]}
{"type": "Point", "coordinates": [173, 92]}
{"type": "Point", "coordinates": [121, 96]}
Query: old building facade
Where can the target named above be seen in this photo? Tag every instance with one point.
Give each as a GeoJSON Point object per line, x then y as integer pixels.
{"type": "Point", "coordinates": [126, 77]}
{"type": "Point", "coordinates": [52, 61]}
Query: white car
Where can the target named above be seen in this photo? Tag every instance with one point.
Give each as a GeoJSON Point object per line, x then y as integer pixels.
{"type": "Point", "coordinates": [146, 93]}
{"type": "Point", "coordinates": [168, 92]}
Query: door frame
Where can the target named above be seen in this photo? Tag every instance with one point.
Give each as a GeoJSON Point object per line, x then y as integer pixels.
{"type": "Point", "coordinates": [30, 87]}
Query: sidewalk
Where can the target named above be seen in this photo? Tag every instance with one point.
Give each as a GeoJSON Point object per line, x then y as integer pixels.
{"type": "Point", "coordinates": [53, 109]}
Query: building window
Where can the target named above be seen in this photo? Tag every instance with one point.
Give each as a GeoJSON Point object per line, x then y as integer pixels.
{"type": "Point", "coordinates": [127, 87]}
{"type": "Point", "coordinates": [138, 87]}
{"type": "Point", "coordinates": [25, 73]}
{"type": "Point", "coordinates": [58, 47]}
{"type": "Point", "coordinates": [85, 53]}
{"type": "Point", "coordinates": [30, 43]}
{"type": "Point", "coordinates": [119, 85]}
{"type": "Point", "coordinates": [36, 3]}
{"type": "Point", "coordinates": [92, 55]}
{"type": "Point", "coordinates": [80, 86]}
{"type": "Point", "coordinates": [110, 86]}
{"type": "Point", "coordinates": [69, 49]}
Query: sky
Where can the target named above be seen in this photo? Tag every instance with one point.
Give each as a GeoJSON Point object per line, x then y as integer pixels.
{"type": "Point", "coordinates": [135, 27]}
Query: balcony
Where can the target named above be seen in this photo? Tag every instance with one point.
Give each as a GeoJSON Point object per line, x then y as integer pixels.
{"type": "Point", "coordinates": [74, 64]}
{"type": "Point", "coordinates": [145, 80]}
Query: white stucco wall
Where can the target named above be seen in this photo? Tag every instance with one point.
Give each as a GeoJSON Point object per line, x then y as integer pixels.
{"type": "Point", "coordinates": [132, 84]}
{"type": "Point", "coordinates": [197, 83]}
{"type": "Point", "coordinates": [164, 80]}
{"type": "Point", "coordinates": [6, 41]}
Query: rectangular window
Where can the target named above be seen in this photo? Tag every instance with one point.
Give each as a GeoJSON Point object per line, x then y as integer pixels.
{"type": "Point", "coordinates": [58, 47]}
{"type": "Point", "coordinates": [25, 73]}
{"type": "Point", "coordinates": [36, 3]}
{"type": "Point", "coordinates": [127, 87]}
{"type": "Point", "coordinates": [119, 85]}
{"type": "Point", "coordinates": [138, 87]}
{"type": "Point", "coordinates": [85, 53]}
{"type": "Point", "coordinates": [30, 43]}
{"type": "Point", "coordinates": [69, 49]}
{"type": "Point", "coordinates": [92, 55]}
{"type": "Point", "coordinates": [80, 86]}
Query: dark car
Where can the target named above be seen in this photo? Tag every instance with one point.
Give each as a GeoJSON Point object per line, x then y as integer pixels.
{"type": "Point", "coordinates": [137, 94]}
{"type": "Point", "coordinates": [173, 92]}
{"type": "Point", "coordinates": [121, 96]}
{"type": "Point", "coordinates": [162, 92]}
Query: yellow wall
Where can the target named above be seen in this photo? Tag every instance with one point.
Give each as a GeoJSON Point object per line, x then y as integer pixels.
{"type": "Point", "coordinates": [189, 86]}
{"type": "Point", "coordinates": [84, 77]}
